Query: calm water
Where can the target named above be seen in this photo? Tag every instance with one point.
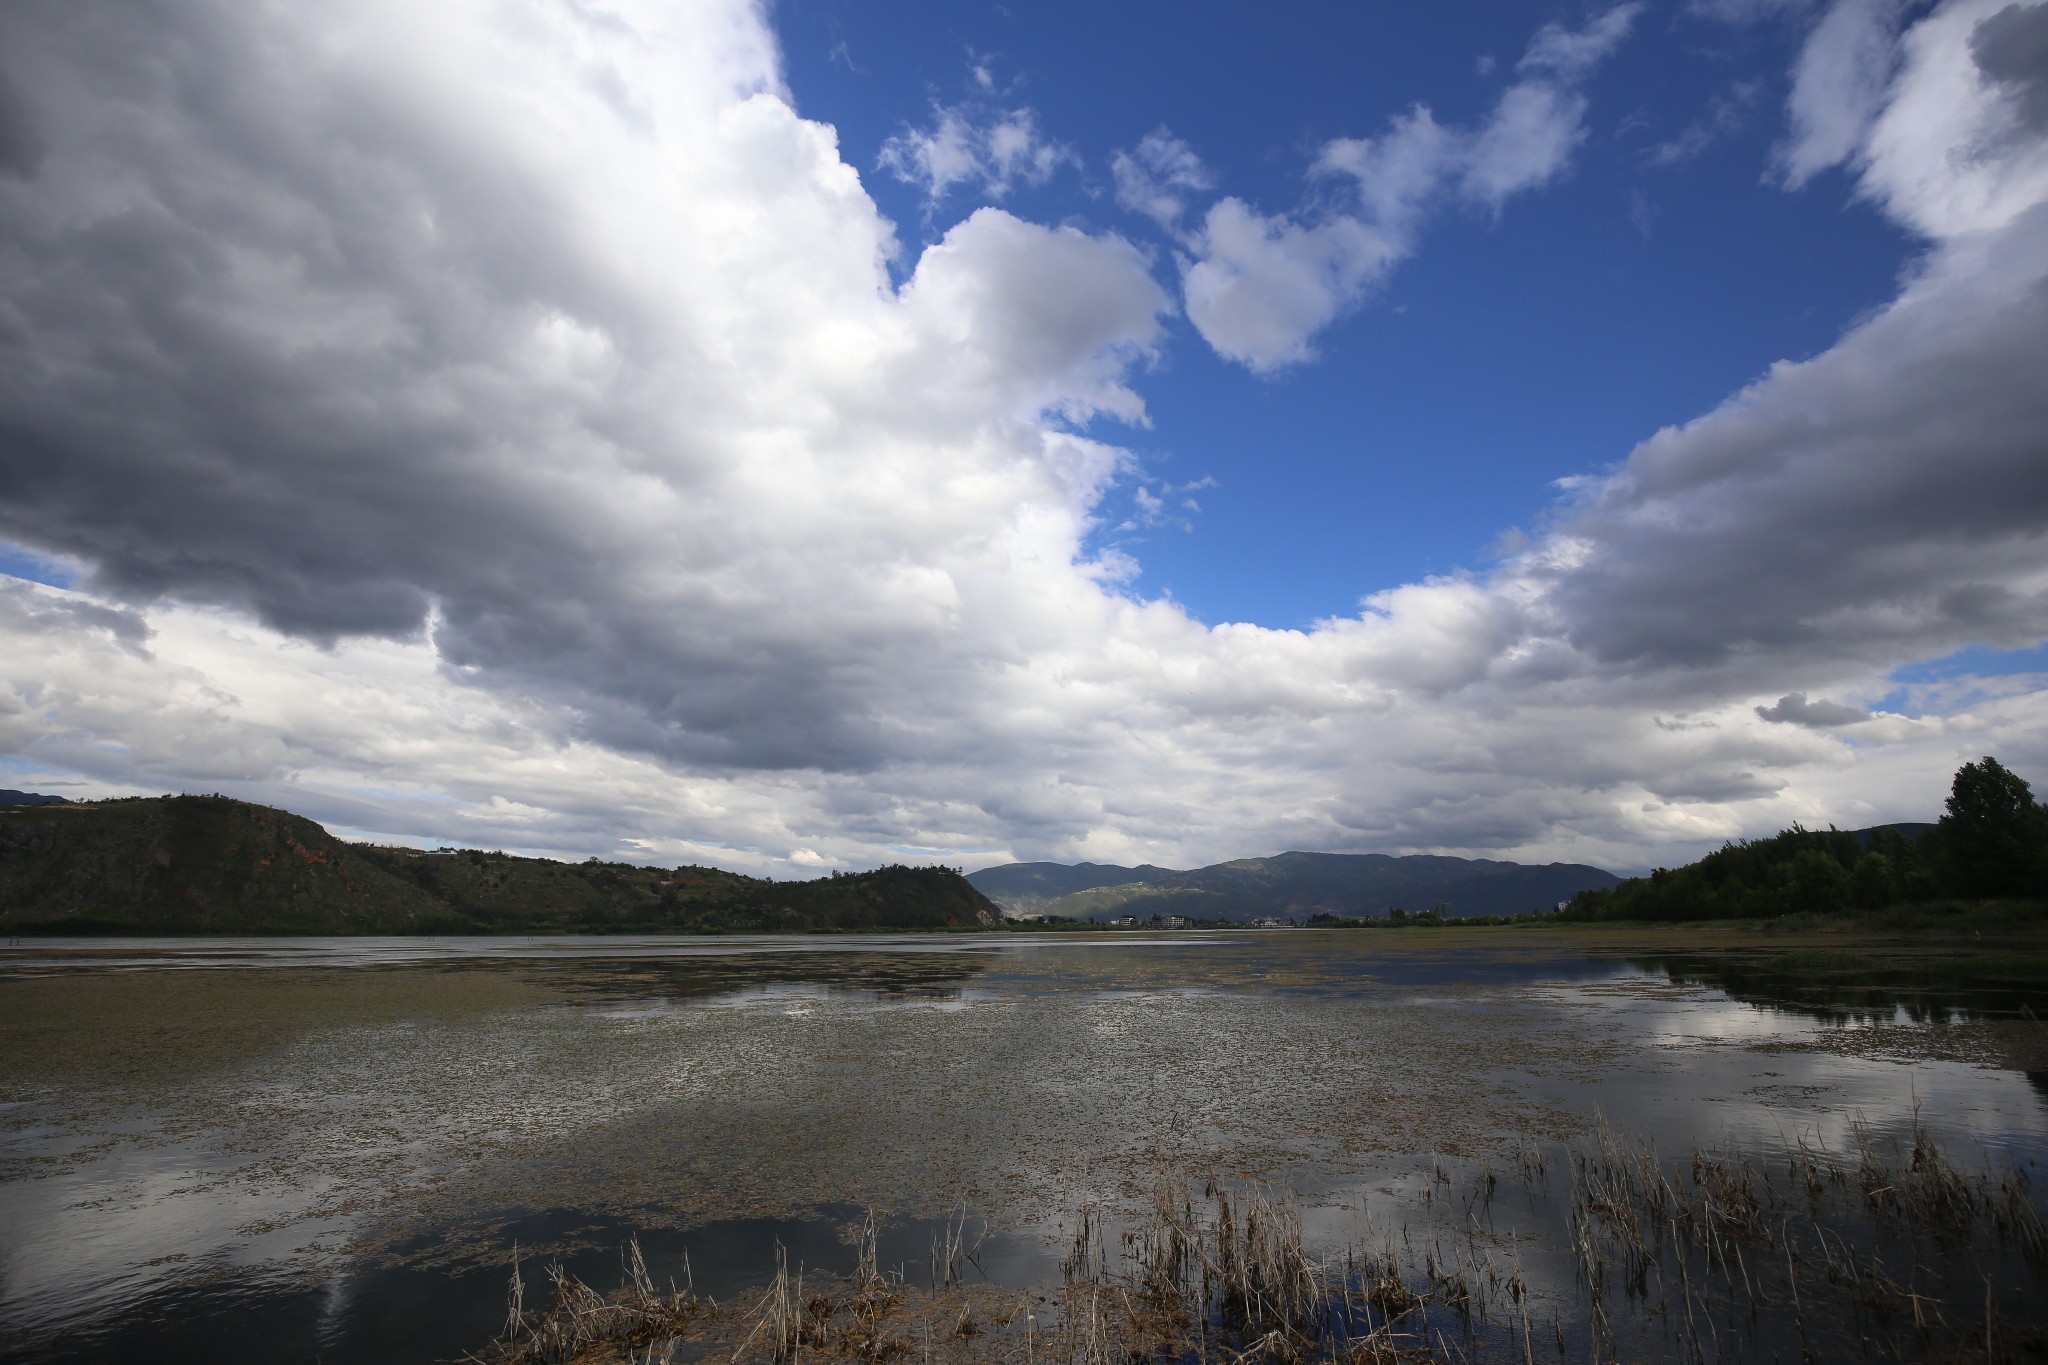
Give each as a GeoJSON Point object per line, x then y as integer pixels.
{"type": "Point", "coordinates": [258, 1150]}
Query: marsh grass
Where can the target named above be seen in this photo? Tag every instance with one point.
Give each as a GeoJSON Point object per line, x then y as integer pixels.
{"type": "Point", "coordinates": [578, 1323]}
{"type": "Point", "coordinates": [1885, 1251]}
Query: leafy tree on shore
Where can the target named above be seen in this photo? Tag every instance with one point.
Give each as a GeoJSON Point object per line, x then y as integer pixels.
{"type": "Point", "coordinates": [1992, 843]}
{"type": "Point", "coordinates": [1993, 833]}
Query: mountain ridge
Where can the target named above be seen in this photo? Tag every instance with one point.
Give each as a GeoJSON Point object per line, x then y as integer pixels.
{"type": "Point", "coordinates": [214, 865]}
{"type": "Point", "coordinates": [1295, 884]}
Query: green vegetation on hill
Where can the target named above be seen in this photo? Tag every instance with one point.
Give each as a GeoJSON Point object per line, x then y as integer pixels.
{"type": "Point", "coordinates": [1991, 844]}
{"type": "Point", "coordinates": [209, 864]}
{"type": "Point", "coordinates": [1031, 886]}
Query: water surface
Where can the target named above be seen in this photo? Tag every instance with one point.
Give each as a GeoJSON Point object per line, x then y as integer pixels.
{"type": "Point", "coordinates": [327, 1149]}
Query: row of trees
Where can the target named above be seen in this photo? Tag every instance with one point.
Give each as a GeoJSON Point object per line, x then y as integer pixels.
{"type": "Point", "coordinates": [1991, 843]}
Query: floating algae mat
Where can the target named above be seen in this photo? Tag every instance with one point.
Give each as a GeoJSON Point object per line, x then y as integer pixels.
{"type": "Point", "coordinates": [333, 1150]}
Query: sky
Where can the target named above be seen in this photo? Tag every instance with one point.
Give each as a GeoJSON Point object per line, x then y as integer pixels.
{"type": "Point", "coordinates": [842, 432]}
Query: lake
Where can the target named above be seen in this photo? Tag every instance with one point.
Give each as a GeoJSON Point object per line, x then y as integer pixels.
{"type": "Point", "coordinates": [289, 1149]}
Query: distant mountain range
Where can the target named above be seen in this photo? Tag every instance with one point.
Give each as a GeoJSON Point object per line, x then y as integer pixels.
{"type": "Point", "coordinates": [192, 864]}
{"type": "Point", "coordinates": [212, 865]}
{"type": "Point", "coordinates": [1288, 885]}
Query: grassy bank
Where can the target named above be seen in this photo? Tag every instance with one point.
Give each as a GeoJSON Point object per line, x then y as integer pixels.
{"type": "Point", "coordinates": [2003, 918]}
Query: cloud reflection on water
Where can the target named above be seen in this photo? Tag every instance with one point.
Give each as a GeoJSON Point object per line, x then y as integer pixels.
{"type": "Point", "coordinates": [447, 1096]}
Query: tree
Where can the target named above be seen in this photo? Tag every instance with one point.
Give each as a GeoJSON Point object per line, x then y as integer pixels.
{"type": "Point", "coordinates": [1993, 833]}
{"type": "Point", "coordinates": [1814, 881]}
{"type": "Point", "coordinates": [1875, 882]}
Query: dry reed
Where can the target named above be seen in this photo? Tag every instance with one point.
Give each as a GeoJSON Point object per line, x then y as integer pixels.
{"type": "Point", "coordinates": [1888, 1251]}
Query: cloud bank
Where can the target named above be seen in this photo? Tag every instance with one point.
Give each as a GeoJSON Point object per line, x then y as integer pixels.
{"type": "Point", "coordinates": [497, 423]}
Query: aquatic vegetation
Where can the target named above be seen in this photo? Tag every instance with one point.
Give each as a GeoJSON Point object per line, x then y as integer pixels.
{"type": "Point", "coordinates": [1731, 1253]}
{"type": "Point", "coordinates": [577, 1320]}
{"type": "Point", "coordinates": [1878, 1253]}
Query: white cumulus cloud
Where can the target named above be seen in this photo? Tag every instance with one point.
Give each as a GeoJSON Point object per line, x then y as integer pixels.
{"type": "Point", "coordinates": [1838, 86]}
{"type": "Point", "coordinates": [1259, 287]}
{"type": "Point", "coordinates": [990, 150]}
{"type": "Point", "coordinates": [1156, 177]}
{"type": "Point", "coordinates": [1262, 286]}
{"type": "Point", "coordinates": [1962, 145]}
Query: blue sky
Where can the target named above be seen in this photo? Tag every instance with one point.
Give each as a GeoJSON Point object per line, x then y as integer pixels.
{"type": "Point", "coordinates": [1511, 350]}
{"type": "Point", "coordinates": [689, 430]}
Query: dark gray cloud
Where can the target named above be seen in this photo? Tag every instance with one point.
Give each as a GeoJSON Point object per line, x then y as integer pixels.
{"type": "Point", "coordinates": [325, 338]}
{"type": "Point", "coordinates": [1794, 709]}
{"type": "Point", "coordinates": [21, 144]}
{"type": "Point", "coordinates": [224, 349]}
{"type": "Point", "coordinates": [1888, 499]}
{"type": "Point", "coordinates": [2011, 47]}
{"type": "Point", "coordinates": [1714, 787]}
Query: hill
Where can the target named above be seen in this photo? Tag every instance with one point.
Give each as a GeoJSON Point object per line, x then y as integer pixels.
{"type": "Point", "coordinates": [1027, 886]}
{"type": "Point", "coordinates": [10, 797]}
{"type": "Point", "coordinates": [209, 864]}
{"type": "Point", "coordinates": [1299, 885]}
{"type": "Point", "coordinates": [1908, 829]}
{"type": "Point", "coordinates": [1792, 871]}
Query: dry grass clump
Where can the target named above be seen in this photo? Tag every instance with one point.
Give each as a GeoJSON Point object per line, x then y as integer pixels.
{"type": "Point", "coordinates": [578, 1323]}
{"type": "Point", "coordinates": [867, 1316]}
{"type": "Point", "coordinates": [1230, 1279]}
{"type": "Point", "coordinates": [849, 1320]}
